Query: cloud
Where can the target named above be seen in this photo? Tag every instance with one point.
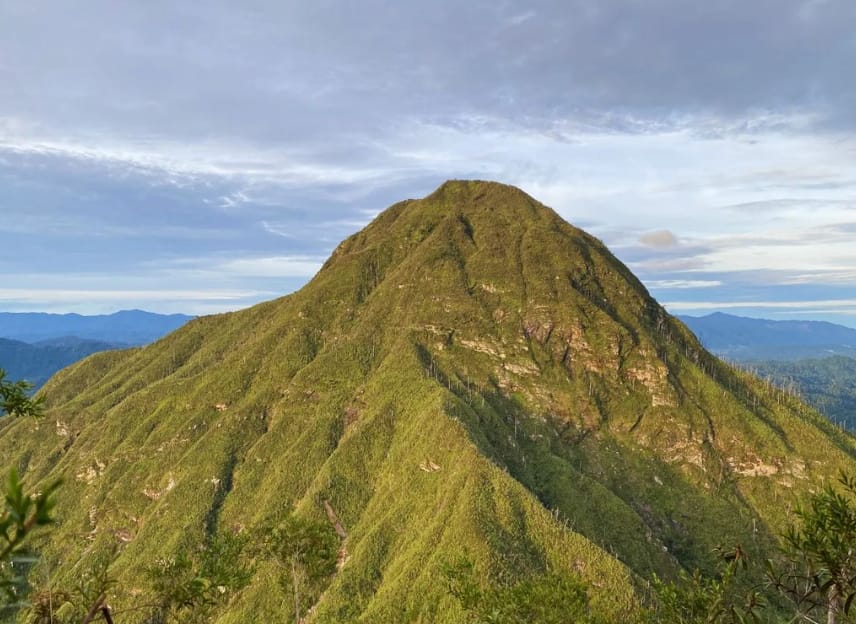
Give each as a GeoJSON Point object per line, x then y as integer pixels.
{"type": "Point", "coordinates": [660, 201]}
{"type": "Point", "coordinates": [166, 161]}
{"type": "Point", "coordinates": [519, 18]}
{"type": "Point", "coordinates": [296, 71]}
{"type": "Point", "coordinates": [683, 284]}
{"type": "Point", "coordinates": [846, 276]}
{"type": "Point", "coordinates": [840, 306]}
{"type": "Point", "coordinates": [167, 299]}
{"type": "Point", "coordinates": [697, 140]}
{"type": "Point", "coordinates": [659, 239]}
{"type": "Point", "coordinates": [779, 205]}
{"type": "Point", "coordinates": [669, 265]}
{"type": "Point", "coordinates": [278, 266]}
{"type": "Point", "coordinates": [50, 295]}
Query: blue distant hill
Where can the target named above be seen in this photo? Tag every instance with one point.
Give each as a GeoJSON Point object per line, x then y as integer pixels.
{"type": "Point", "coordinates": [740, 338]}
{"type": "Point", "coordinates": [36, 363]}
{"type": "Point", "coordinates": [129, 327]}
{"type": "Point", "coordinates": [35, 345]}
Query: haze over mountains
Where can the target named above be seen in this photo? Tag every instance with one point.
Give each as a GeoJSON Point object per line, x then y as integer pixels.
{"type": "Point", "coordinates": [129, 327]}
{"type": "Point", "coordinates": [35, 363]}
{"type": "Point", "coordinates": [33, 346]}
{"type": "Point", "coordinates": [469, 374]}
{"type": "Point", "coordinates": [741, 338]}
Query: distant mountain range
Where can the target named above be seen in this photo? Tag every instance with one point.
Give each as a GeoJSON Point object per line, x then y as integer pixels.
{"type": "Point", "coordinates": [34, 346]}
{"type": "Point", "coordinates": [828, 384]}
{"type": "Point", "coordinates": [35, 363]}
{"type": "Point", "coordinates": [131, 327]}
{"type": "Point", "coordinates": [740, 339]}
{"type": "Point", "coordinates": [816, 360]}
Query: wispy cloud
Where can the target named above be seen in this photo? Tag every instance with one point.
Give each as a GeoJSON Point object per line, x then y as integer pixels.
{"type": "Point", "coordinates": [37, 297]}
{"type": "Point", "coordinates": [55, 295]}
{"type": "Point", "coordinates": [277, 266]}
{"type": "Point", "coordinates": [183, 163]}
{"type": "Point", "coordinates": [683, 284]}
{"type": "Point", "coordinates": [838, 306]}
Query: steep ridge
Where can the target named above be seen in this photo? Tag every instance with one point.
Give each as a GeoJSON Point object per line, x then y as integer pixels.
{"type": "Point", "coordinates": [469, 373]}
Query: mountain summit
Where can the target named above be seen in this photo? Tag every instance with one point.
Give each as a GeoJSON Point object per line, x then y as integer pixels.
{"type": "Point", "coordinates": [468, 375]}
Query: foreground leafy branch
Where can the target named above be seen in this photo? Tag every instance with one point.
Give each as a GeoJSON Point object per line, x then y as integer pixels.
{"type": "Point", "coordinates": [22, 514]}
{"type": "Point", "coordinates": [815, 571]}
{"type": "Point", "coordinates": [697, 599]}
{"type": "Point", "coordinates": [819, 573]}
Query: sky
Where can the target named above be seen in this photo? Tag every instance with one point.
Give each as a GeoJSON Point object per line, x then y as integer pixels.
{"type": "Point", "coordinates": [201, 157]}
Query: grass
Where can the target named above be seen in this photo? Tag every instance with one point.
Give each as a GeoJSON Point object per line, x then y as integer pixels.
{"type": "Point", "coordinates": [468, 375]}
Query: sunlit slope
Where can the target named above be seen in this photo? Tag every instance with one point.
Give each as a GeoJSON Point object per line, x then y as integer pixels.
{"type": "Point", "coordinates": [468, 374]}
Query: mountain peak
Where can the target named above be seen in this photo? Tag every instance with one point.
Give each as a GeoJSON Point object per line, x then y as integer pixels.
{"type": "Point", "coordinates": [470, 195]}
{"type": "Point", "coordinates": [462, 365]}
{"type": "Point", "coordinates": [474, 240]}
{"type": "Point", "coordinates": [459, 212]}
{"type": "Point", "coordinates": [462, 188]}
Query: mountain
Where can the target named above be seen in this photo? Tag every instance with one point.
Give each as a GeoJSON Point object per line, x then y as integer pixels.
{"type": "Point", "coordinates": [828, 384]}
{"type": "Point", "coordinates": [740, 338]}
{"type": "Point", "coordinates": [35, 363]}
{"type": "Point", "coordinates": [814, 359]}
{"type": "Point", "coordinates": [132, 327]}
{"type": "Point", "coordinates": [34, 346]}
{"type": "Point", "coordinates": [469, 376]}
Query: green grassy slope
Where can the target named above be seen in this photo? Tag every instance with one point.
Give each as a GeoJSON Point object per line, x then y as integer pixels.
{"type": "Point", "coordinates": [467, 374]}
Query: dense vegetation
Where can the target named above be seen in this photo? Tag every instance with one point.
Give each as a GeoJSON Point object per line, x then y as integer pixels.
{"type": "Point", "coordinates": [828, 384]}
{"type": "Point", "coordinates": [470, 393]}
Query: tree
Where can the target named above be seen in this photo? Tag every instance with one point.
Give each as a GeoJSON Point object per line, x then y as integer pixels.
{"type": "Point", "coordinates": [306, 551]}
{"type": "Point", "coordinates": [549, 598]}
{"type": "Point", "coordinates": [820, 554]}
{"type": "Point", "coordinates": [190, 584]}
{"type": "Point", "coordinates": [697, 599]}
{"type": "Point", "coordinates": [84, 602]}
{"type": "Point", "coordinates": [15, 400]}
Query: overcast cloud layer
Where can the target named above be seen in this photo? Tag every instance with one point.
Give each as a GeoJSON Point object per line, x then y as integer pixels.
{"type": "Point", "coordinates": [199, 157]}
